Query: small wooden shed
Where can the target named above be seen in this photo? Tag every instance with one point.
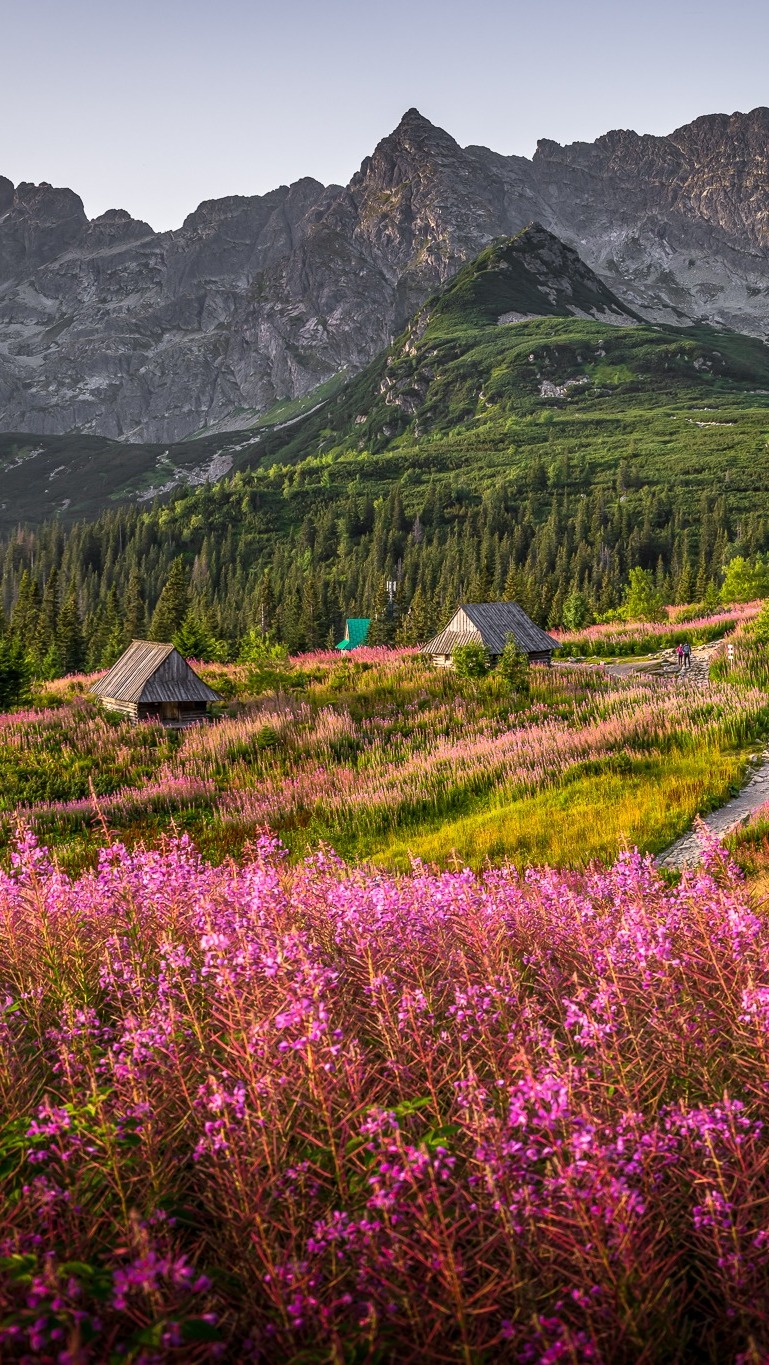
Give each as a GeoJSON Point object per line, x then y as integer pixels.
{"type": "Point", "coordinates": [491, 624]}
{"type": "Point", "coordinates": [154, 682]}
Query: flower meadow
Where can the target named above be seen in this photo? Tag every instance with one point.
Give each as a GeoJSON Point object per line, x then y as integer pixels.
{"type": "Point", "coordinates": [298, 1112]}
{"type": "Point", "coordinates": [369, 754]}
{"type": "Point", "coordinates": [643, 637]}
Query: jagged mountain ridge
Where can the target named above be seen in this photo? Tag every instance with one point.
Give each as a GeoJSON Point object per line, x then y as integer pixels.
{"type": "Point", "coordinates": [109, 328]}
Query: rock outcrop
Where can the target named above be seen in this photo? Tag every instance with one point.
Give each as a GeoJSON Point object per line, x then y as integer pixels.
{"type": "Point", "coordinates": [109, 328]}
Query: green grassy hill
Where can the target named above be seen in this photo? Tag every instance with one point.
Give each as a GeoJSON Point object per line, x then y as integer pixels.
{"type": "Point", "coordinates": [558, 400]}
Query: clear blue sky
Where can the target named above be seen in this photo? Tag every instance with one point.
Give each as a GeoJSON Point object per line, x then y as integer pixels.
{"type": "Point", "coordinates": [154, 105]}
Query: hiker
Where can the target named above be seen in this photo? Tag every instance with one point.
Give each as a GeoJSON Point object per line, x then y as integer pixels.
{"type": "Point", "coordinates": [687, 654]}
{"type": "Point", "coordinates": [680, 653]}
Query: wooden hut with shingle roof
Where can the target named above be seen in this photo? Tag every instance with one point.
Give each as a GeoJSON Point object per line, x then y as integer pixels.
{"type": "Point", "coordinates": [491, 624]}
{"type": "Point", "coordinates": [154, 682]}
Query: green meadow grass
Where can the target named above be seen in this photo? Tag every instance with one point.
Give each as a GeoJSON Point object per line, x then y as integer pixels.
{"type": "Point", "coordinates": [590, 817]}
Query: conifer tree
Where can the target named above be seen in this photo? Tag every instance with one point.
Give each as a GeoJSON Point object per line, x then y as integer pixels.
{"type": "Point", "coordinates": [382, 628]}
{"type": "Point", "coordinates": [25, 617]}
{"type": "Point", "coordinates": [69, 635]}
{"type": "Point", "coordinates": [134, 610]}
{"type": "Point", "coordinates": [47, 632]}
{"type": "Point", "coordinates": [310, 626]}
{"type": "Point", "coordinates": [112, 634]}
{"type": "Point", "coordinates": [264, 603]}
{"type": "Point", "coordinates": [173, 603]}
{"type": "Point", "coordinates": [14, 673]}
{"type": "Point", "coordinates": [416, 624]}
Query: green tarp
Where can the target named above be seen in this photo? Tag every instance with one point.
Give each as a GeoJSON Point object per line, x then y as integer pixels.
{"type": "Point", "coordinates": [356, 632]}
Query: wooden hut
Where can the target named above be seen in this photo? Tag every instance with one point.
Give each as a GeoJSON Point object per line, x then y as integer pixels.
{"type": "Point", "coordinates": [153, 682]}
{"type": "Point", "coordinates": [491, 624]}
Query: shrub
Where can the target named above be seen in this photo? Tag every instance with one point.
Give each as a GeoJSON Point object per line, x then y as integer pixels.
{"type": "Point", "coordinates": [471, 661]}
{"type": "Point", "coordinates": [576, 611]}
{"type": "Point", "coordinates": [643, 601]}
{"type": "Point", "coordinates": [268, 662]}
{"type": "Point", "coordinates": [513, 666]}
{"type": "Point", "coordinates": [745, 580]}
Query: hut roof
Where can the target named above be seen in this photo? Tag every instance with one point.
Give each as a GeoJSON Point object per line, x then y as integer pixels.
{"type": "Point", "coordinates": [150, 672]}
{"type": "Point", "coordinates": [490, 624]}
{"type": "Point", "coordinates": [356, 632]}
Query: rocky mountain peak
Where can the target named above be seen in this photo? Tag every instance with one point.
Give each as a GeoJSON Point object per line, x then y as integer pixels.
{"type": "Point", "coordinates": [415, 143]}
{"type": "Point", "coordinates": [111, 329]}
{"type": "Point", "coordinates": [116, 226]}
{"type": "Point", "coordinates": [710, 131]}
{"type": "Point", "coordinates": [37, 224]}
{"type": "Point", "coordinates": [417, 130]}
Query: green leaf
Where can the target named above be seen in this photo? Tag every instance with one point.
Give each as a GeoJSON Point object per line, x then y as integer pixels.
{"type": "Point", "coordinates": [439, 1137]}
{"type": "Point", "coordinates": [152, 1335]}
{"type": "Point", "coordinates": [78, 1268]}
{"type": "Point", "coordinates": [129, 1140]}
{"type": "Point", "coordinates": [406, 1107]}
{"type": "Point", "coordinates": [18, 1265]}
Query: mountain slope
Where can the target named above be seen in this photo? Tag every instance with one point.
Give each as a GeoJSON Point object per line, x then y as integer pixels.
{"type": "Point", "coordinates": [471, 459]}
{"type": "Point", "coordinates": [109, 328]}
{"type": "Point", "coordinates": [524, 362]}
{"type": "Point", "coordinates": [529, 276]}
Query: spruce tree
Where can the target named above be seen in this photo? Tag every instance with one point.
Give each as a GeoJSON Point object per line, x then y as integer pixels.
{"type": "Point", "coordinates": [134, 610]}
{"type": "Point", "coordinates": [264, 603]}
{"type": "Point", "coordinates": [69, 636]}
{"type": "Point", "coordinates": [173, 603]}
{"type": "Point", "coordinates": [112, 634]}
{"type": "Point", "coordinates": [25, 617]}
{"type": "Point", "coordinates": [382, 628]}
{"type": "Point", "coordinates": [416, 625]}
{"type": "Point", "coordinates": [310, 626]}
{"type": "Point", "coordinates": [14, 673]}
{"type": "Point", "coordinates": [47, 632]}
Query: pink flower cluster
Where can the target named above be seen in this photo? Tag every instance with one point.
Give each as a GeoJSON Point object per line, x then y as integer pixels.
{"type": "Point", "coordinates": [273, 1113]}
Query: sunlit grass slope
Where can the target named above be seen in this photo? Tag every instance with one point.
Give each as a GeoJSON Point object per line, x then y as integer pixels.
{"type": "Point", "coordinates": [588, 818]}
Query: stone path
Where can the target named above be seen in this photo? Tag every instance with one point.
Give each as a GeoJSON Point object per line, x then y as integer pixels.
{"type": "Point", "coordinates": [687, 851]}
{"type": "Point", "coordinates": [666, 665]}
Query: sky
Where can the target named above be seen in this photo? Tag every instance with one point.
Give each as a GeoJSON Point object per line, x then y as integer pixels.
{"type": "Point", "coordinates": [155, 105]}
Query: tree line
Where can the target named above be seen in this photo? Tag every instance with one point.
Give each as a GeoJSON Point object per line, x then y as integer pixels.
{"type": "Point", "coordinates": [215, 566]}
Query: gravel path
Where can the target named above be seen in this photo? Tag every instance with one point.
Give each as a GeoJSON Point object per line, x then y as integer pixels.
{"type": "Point", "coordinates": [687, 851]}
{"type": "Point", "coordinates": [666, 665]}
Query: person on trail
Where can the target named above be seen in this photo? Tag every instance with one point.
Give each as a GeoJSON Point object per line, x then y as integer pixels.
{"type": "Point", "coordinates": [687, 653]}
{"type": "Point", "coordinates": [680, 653]}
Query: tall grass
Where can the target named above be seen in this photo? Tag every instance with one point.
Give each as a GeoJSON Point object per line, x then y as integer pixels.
{"type": "Point", "coordinates": [292, 1114]}
{"type": "Point", "coordinates": [362, 752]}
{"type": "Point", "coordinates": [645, 801]}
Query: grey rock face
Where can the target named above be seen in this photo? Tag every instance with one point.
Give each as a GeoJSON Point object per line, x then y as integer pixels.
{"type": "Point", "coordinates": [110, 328]}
